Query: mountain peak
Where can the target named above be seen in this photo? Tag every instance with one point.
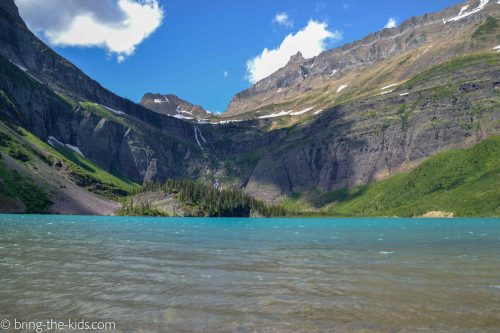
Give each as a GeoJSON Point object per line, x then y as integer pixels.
{"type": "Point", "coordinates": [296, 58]}
{"type": "Point", "coordinates": [174, 106]}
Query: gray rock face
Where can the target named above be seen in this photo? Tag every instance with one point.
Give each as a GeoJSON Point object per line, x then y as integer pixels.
{"type": "Point", "coordinates": [172, 105]}
{"type": "Point", "coordinates": [302, 75]}
{"type": "Point", "coordinates": [368, 139]}
{"type": "Point", "coordinates": [126, 147]}
{"type": "Point", "coordinates": [132, 141]}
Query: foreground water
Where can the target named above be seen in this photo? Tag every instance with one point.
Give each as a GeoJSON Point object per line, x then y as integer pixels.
{"type": "Point", "coordinates": [253, 275]}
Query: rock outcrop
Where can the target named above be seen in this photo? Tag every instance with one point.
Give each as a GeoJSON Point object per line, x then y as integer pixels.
{"type": "Point", "coordinates": [171, 105]}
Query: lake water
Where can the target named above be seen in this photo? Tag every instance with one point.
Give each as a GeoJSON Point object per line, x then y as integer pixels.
{"type": "Point", "coordinates": [253, 275]}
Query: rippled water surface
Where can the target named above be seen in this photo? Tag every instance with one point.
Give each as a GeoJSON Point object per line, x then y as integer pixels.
{"type": "Point", "coordinates": [253, 275]}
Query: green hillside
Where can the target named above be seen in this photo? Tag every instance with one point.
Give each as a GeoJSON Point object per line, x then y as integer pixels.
{"type": "Point", "coordinates": [463, 182]}
{"type": "Point", "coordinates": [30, 170]}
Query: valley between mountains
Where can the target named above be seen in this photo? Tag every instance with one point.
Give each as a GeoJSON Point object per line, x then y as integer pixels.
{"type": "Point", "coordinates": [402, 123]}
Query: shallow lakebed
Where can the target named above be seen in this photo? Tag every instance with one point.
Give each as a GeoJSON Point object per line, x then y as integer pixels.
{"type": "Point", "coordinates": [253, 275]}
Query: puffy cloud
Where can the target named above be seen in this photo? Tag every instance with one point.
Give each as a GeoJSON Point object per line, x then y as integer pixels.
{"type": "Point", "coordinates": [310, 41]}
{"type": "Point", "coordinates": [391, 23]}
{"type": "Point", "coordinates": [283, 19]}
{"type": "Point", "coordinates": [118, 26]}
{"type": "Point", "coordinates": [226, 74]}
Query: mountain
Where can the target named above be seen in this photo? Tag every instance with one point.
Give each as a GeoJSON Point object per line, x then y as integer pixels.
{"type": "Point", "coordinates": [342, 122]}
{"type": "Point", "coordinates": [172, 105]}
{"type": "Point", "coordinates": [368, 110]}
{"type": "Point", "coordinates": [452, 105]}
{"type": "Point", "coordinates": [417, 44]}
{"type": "Point", "coordinates": [44, 96]}
{"type": "Point", "coordinates": [54, 98]}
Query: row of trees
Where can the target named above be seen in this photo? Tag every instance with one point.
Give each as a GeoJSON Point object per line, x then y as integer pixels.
{"type": "Point", "coordinates": [214, 202]}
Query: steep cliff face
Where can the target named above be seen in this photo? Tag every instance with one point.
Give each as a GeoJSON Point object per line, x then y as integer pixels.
{"type": "Point", "coordinates": [54, 98]}
{"type": "Point", "coordinates": [453, 105]}
{"type": "Point", "coordinates": [436, 37]}
{"type": "Point", "coordinates": [174, 106]}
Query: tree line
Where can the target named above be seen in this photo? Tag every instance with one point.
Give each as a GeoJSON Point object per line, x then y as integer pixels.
{"type": "Point", "coordinates": [213, 202]}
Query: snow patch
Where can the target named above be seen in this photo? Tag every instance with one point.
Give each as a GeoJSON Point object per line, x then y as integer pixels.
{"type": "Point", "coordinates": [497, 48]}
{"type": "Point", "coordinates": [333, 73]}
{"type": "Point", "coordinates": [404, 94]}
{"type": "Point", "coordinates": [24, 69]}
{"type": "Point", "coordinates": [464, 8]}
{"type": "Point", "coordinates": [342, 87]}
{"type": "Point", "coordinates": [279, 90]}
{"type": "Point", "coordinates": [222, 122]}
{"type": "Point", "coordinates": [180, 116]}
{"type": "Point", "coordinates": [121, 113]}
{"type": "Point", "coordinates": [318, 112]}
{"type": "Point", "coordinates": [464, 13]}
{"type": "Point", "coordinates": [389, 86]}
{"type": "Point", "coordinates": [161, 101]}
{"type": "Point", "coordinates": [75, 149]}
{"type": "Point", "coordinates": [301, 112]}
{"type": "Point", "coordinates": [53, 142]}
{"type": "Point", "coordinates": [274, 115]}
{"type": "Point", "coordinates": [386, 92]}
{"type": "Point", "coordinates": [184, 111]}
{"type": "Point", "coordinates": [34, 78]}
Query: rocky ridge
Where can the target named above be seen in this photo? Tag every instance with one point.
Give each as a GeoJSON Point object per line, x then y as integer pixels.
{"type": "Point", "coordinates": [429, 34]}
{"type": "Point", "coordinates": [176, 107]}
{"type": "Point", "coordinates": [54, 98]}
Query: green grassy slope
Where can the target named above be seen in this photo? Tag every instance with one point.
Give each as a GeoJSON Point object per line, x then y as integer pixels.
{"type": "Point", "coordinates": [463, 182]}
{"type": "Point", "coordinates": [20, 192]}
{"type": "Point", "coordinates": [17, 191]}
{"type": "Point", "coordinates": [84, 170]}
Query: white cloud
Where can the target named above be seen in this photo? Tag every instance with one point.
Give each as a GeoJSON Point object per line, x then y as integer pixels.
{"type": "Point", "coordinates": [283, 19]}
{"type": "Point", "coordinates": [118, 26]}
{"type": "Point", "coordinates": [391, 23]}
{"type": "Point", "coordinates": [310, 41]}
{"type": "Point", "coordinates": [226, 74]}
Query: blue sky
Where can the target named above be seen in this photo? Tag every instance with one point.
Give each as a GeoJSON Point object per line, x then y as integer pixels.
{"type": "Point", "coordinates": [200, 50]}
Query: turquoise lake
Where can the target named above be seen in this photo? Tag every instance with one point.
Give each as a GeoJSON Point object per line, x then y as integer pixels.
{"type": "Point", "coordinates": [253, 275]}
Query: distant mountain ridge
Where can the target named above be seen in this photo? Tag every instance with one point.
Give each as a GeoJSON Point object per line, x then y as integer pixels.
{"type": "Point", "coordinates": [174, 106]}
{"type": "Point", "coordinates": [304, 76]}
